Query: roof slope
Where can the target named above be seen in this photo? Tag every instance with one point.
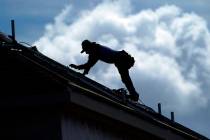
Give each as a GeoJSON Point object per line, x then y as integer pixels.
{"type": "Point", "coordinates": [92, 88]}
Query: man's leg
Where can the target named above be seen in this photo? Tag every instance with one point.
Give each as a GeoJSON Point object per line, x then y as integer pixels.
{"type": "Point", "coordinates": [124, 73]}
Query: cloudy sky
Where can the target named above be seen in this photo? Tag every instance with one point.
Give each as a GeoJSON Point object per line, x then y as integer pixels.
{"type": "Point", "coordinates": [170, 41]}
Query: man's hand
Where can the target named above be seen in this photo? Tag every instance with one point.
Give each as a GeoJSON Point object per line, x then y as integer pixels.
{"type": "Point", "coordinates": [74, 66]}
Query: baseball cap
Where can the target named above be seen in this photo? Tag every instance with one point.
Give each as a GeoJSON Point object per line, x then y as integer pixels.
{"type": "Point", "coordinates": [85, 45]}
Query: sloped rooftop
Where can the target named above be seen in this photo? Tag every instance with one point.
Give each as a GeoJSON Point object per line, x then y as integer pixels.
{"type": "Point", "coordinates": [99, 94]}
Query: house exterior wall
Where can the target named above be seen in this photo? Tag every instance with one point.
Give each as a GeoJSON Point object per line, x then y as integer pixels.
{"type": "Point", "coordinates": [75, 129]}
{"type": "Point", "coordinates": [82, 124]}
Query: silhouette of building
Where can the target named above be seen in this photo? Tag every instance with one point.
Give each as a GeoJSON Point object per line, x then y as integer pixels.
{"type": "Point", "coordinates": [42, 99]}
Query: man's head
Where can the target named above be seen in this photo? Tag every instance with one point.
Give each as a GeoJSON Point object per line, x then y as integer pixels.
{"type": "Point", "coordinates": [86, 46]}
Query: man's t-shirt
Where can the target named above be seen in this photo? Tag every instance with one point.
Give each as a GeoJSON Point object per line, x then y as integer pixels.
{"type": "Point", "coordinates": [106, 54]}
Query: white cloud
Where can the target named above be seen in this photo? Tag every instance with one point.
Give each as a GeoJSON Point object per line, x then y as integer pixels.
{"type": "Point", "coordinates": [171, 49]}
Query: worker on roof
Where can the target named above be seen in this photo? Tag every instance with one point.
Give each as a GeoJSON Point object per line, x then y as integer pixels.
{"type": "Point", "coordinates": [121, 59]}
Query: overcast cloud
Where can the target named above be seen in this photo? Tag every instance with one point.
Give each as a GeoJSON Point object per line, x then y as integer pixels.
{"type": "Point", "coordinates": [171, 48]}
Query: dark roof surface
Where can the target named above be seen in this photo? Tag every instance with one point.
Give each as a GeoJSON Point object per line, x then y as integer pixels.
{"type": "Point", "coordinates": [79, 81]}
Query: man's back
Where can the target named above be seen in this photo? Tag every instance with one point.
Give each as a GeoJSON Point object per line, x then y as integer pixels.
{"type": "Point", "coordinates": [106, 54]}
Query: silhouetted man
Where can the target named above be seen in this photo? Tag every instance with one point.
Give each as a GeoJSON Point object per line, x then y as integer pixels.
{"type": "Point", "coordinates": [121, 59]}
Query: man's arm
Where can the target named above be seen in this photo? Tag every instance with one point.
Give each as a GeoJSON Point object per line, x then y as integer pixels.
{"type": "Point", "coordinates": [91, 61]}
